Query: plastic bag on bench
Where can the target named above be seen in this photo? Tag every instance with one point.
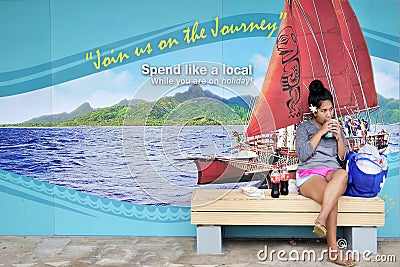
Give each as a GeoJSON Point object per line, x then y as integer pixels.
{"type": "Point", "coordinates": [367, 171]}
{"type": "Point", "coordinates": [252, 191]}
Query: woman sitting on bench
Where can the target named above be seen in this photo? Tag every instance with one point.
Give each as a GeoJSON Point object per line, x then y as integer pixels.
{"type": "Point", "coordinates": [321, 151]}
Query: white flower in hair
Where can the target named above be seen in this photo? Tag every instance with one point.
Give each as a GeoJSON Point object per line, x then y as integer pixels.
{"type": "Point", "coordinates": [313, 109]}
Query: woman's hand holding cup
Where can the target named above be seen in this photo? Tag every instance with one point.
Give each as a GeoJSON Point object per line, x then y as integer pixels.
{"type": "Point", "coordinates": [334, 128]}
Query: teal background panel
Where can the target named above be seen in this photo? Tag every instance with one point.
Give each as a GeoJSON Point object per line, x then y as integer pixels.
{"type": "Point", "coordinates": [32, 207]}
{"type": "Point", "coordinates": [390, 193]}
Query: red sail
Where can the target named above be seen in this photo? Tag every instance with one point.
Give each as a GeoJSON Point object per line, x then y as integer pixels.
{"type": "Point", "coordinates": [357, 58]}
{"type": "Point", "coordinates": [309, 46]}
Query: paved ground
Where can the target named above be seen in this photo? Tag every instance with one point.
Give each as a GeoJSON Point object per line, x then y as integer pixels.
{"type": "Point", "coordinates": [29, 251]}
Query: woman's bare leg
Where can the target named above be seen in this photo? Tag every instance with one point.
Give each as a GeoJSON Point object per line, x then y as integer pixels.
{"type": "Point", "coordinates": [334, 252]}
{"type": "Point", "coordinates": [336, 186]}
{"type": "Point", "coordinates": [317, 189]}
{"type": "Point", "coordinates": [314, 188]}
{"type": "Point", "coordinates": [331, 234]}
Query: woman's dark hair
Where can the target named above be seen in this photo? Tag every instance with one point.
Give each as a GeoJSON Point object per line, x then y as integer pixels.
{"type": "Point", "coordinates": [318, 93]}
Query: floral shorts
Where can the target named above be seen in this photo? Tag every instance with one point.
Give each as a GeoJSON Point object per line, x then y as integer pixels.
{"type": "Point", "coordinates": [303, 175]}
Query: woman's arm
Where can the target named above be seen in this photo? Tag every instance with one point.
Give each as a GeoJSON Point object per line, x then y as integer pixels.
{"type": "Point", "coordinates": [317, 137]}
{"type": "Point", "coordinates": [305, 147]}
{"type": "Point", "coordinates": [342, 148]}
{"type": "Point", "coordinates": [339, 135]}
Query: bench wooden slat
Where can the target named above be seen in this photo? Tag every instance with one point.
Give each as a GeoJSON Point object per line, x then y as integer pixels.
{"type": "Point", "coordinates": [233, 200]}
{"type": "Point", "coordinates": [279, 218]}
{"type": "Point", "coordinates": [281, 204]}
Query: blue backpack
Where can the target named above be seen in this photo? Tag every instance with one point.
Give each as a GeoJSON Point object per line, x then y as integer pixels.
{"type": "Point", "coordinates": [361, 184]}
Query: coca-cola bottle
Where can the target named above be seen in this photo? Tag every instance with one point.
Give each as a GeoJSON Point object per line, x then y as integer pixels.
{"type": "Point", "coordinates": [275, 176]}
{"type": "Point", "coordinates": [284, 179]}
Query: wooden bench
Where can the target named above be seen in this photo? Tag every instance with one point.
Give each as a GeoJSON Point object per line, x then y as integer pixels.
{"type": "Point", "coordinates": [213, 208]}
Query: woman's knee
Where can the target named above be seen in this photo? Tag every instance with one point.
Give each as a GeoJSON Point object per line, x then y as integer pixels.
{"type": "Point", "coordinates": [344, 175]}
{"type": "Point", "coordinates": [341, 176]}
{"type": "Point", "coordinates": [314, 188]}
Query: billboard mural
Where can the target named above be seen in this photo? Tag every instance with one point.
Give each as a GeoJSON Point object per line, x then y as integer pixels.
{"type": "Point", "coordinates": [99, 100]}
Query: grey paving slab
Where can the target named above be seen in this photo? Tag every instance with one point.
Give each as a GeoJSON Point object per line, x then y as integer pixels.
{"type": "Point", "coordinates": [37, 251]}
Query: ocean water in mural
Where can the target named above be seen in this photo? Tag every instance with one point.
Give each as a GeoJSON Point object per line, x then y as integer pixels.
{"type": "Point", "coordinates": [134, 164]}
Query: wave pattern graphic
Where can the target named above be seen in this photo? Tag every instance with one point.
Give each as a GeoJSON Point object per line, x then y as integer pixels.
{"type": "Point", "coordinates": [74, 66]}
{"type": "Point", "coordinates": [17, 74]}
{"type": "Point", "coordinates": [73, 200]}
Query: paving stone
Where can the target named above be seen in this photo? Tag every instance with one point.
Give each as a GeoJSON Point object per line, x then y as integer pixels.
{"type": "Point", "coordinates": [32, 251]}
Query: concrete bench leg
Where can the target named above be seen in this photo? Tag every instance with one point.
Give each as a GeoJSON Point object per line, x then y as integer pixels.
{"type": "Point", "coordinates": [361, 238]}
{"type": "Point", "coordinates": [209, 240]}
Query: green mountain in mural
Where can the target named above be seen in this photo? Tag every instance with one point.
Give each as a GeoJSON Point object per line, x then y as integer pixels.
{"type": "Point", "coordinates": [389, 112]}
{"type": "Point", "coordinates": [192, 107]}
{"type": "Point", "coordinates": [79, 111]}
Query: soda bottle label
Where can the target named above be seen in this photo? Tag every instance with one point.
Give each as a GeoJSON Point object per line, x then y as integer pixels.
{"type": "Point", "coordinates": [275, 178]}
{"type": "Point", "coordinates": [284, 176]}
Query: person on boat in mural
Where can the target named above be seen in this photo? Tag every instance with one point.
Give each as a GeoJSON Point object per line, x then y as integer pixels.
{"type": "Point", "coordinates": [320, 175]}
{"type": "Point", "coordinates": [347, 128]}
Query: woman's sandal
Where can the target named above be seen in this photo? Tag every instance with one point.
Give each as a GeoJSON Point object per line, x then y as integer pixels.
{"type": "Point", "coordinates": [342, 263]}
{"type": "Point", "coordinates": [319, 230]}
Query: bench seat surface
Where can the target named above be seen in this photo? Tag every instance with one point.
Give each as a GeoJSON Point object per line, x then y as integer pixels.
{"type": "Point", "coordinates": [232, 207]}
